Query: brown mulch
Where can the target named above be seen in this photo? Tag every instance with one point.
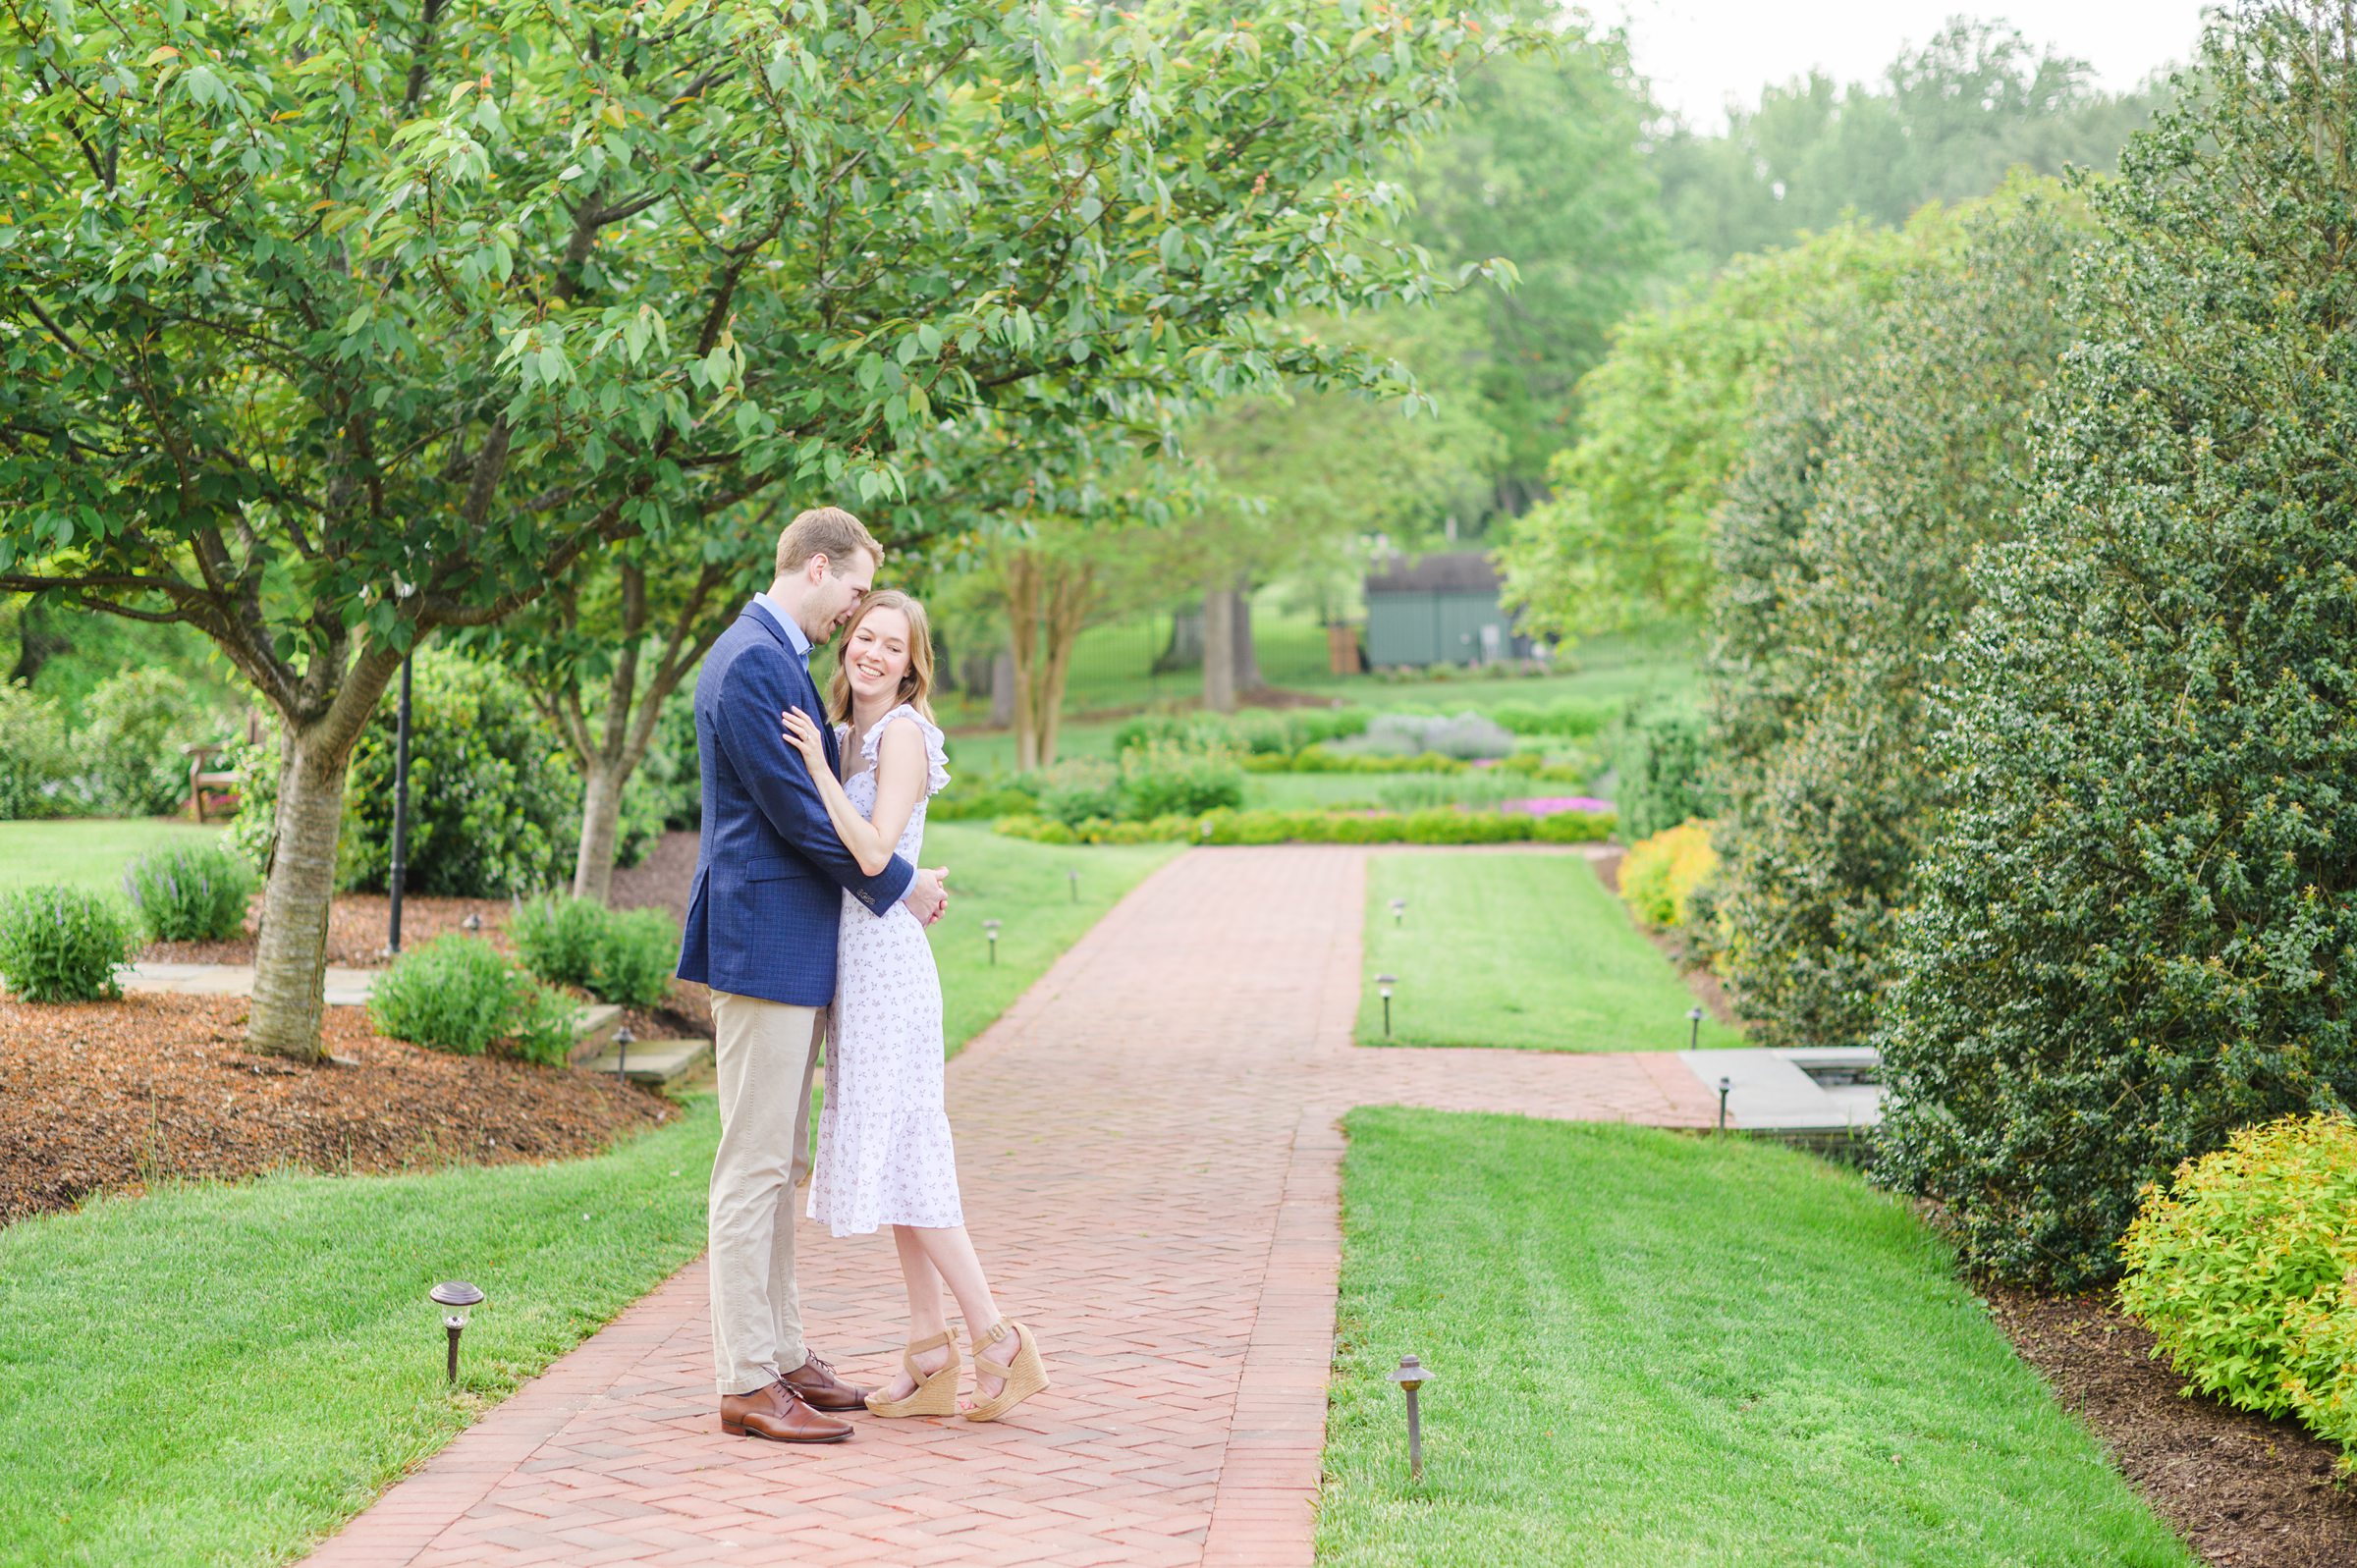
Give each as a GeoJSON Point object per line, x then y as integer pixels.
{"type": "Point", "coordinates": [2240, 1489]}
{"type": "Point", "coordinates": [356, 927]}
{"type": "Point", "coordinates": [111, 1096]}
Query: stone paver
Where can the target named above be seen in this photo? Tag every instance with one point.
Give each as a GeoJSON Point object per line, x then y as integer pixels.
{"type": "Point", "coordinates": [1163, 1205]}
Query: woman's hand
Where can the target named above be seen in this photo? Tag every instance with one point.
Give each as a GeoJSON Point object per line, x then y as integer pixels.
{"type": "Point", "coordinates": [802, 736]}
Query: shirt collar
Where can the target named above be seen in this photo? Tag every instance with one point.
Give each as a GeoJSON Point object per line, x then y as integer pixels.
{"type": "Point", "coordinates": [795, 637]}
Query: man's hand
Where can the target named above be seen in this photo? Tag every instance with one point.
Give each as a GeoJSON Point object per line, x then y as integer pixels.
{"type": "Point", "coordinates": [927, 897]}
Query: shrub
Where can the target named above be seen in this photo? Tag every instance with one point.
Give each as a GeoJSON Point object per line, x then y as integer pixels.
{"type": "Point", "coordinates": [1254, 731]}
{"type": "Point", "coordinates": [558, 936]}
{"type": "Point", "coordinates": [36, 759]}
{"type": "Point", "coordinates": [1464, 736]}
{"type": "Point", "coordinates": [1568, 718]}
{"type": "Point", "coordinates": [1264, 826]}
{"type": "Point", "coordinates": [2130, 934]}
{"type": "Point", "coordinates": [635, 957]}
{"type": "Point", "coordinates": [623, 956]}
{"type": "Point", "coordinates": [1469, 789]}
{"type": "Point", "coordinates": [1661, 873]}
{"type": "Point", "coordinates": [976, 797]}
{"type": "Point", "coordinates": [458, 994]}
{"type": "Point", "coordinates": [1162, 778]}
{"type": "Point", "coordinates": [2246, 1273]}
{"type": "Point", "coordinates": [62, 945]}
{"type": "Point", "coordinates": [494, 801]}
{"type": "Point", "coordinates": [1080, 789]}
{"type": "Point", "coordinates": [1660, 760]}
{"type": "Point", "coordinates": [197, 892]}
{"type": "Point", "coordinates": [134, 725]}
{"type": "Point", "coordinates": [1886, 460]}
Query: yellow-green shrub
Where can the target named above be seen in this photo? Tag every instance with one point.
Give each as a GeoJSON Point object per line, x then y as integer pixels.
{"type": "Point", "coordinates": [1659, 877]}
{"type": "Point", "coordinates": [2245, 1270]}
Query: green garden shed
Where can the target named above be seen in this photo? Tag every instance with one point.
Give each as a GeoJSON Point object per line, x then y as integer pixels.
{"type": "Point", "coordinates": [1442, 608]}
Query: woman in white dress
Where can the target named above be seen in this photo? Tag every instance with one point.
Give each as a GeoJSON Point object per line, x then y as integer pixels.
{"type": "Point", "coordinates": [884, 1151]}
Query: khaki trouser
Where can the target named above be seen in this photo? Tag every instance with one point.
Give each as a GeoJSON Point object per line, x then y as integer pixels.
{"type": "Point", "coordinates": [764, 1052]}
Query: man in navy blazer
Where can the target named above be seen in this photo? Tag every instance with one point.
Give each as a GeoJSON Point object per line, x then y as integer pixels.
{"type": "Point", "coordinates": [761, 932]}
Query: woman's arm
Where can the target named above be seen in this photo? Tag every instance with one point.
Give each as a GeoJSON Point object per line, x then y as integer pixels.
{"type": "Point", "coordinates": [896, 787]}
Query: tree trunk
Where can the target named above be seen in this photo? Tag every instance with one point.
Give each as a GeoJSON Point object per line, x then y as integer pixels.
{"type": "Point", "coordinates": [1247, 656]}
{"type": "Point", "coordinates": [601, 827]}
{"type": "Point", "coordinates": [1002, 688]}
{"type": "Point", "coordinates": [289, 958]}
{"type": "Point", "coordinates": [1219, 647]}
{"type": "Point", "coordinates": [1184, 650]}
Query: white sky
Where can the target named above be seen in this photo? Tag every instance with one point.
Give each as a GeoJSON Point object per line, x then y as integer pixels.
{"type": "Point", "coordinates": [1698, 53]}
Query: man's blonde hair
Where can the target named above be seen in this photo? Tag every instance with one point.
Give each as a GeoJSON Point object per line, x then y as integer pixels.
{"type": "Point", "coordinates": [828, 531]}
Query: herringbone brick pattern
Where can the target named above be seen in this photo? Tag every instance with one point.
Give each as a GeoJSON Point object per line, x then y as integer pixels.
{"type": "Point", "coordinates": [1162, 1206]}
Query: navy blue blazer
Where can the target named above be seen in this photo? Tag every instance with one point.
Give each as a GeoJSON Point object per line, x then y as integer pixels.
{"type": "Point", "coordinates": [763, 915]}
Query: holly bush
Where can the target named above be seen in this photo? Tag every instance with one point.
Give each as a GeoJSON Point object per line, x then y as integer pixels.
{"type": "Point", "coordinates": [2134, 931]}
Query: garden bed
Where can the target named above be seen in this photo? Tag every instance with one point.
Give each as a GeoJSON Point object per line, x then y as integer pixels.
{"type": "Point", "coordinates": [2239, 1488]}
{"type": "Point", "coordinates": [114, 1096]}
{"type": "Point", "coordinates": [357, 923]}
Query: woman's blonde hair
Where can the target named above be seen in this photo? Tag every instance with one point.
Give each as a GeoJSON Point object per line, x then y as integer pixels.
{"type": "Point", "coordinates": [917, 687]}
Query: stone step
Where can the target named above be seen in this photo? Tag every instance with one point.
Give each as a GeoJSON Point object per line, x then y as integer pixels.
{"type": "Point", "coordinates": [652, 1061]}
{"type": "Point", "coordinates": [595, 1030]}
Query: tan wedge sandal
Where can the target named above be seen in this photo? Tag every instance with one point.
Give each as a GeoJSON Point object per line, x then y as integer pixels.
{"type": "Point", "coordinates": [936, 1391]}
{"type": "Point", "coordinates": [1021, 1379]}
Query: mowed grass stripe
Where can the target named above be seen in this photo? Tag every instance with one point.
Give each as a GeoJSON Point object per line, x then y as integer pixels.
{"type": "Point", "coordinates": [1659, 1349]}
{"type": "Point", "coordinates": [1525, 950]}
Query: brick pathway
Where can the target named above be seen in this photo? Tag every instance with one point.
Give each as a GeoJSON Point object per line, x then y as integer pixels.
{"type": "Point", "coordinates": [1166, 1214]}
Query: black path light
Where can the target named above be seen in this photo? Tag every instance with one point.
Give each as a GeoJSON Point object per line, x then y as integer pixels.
{"type": "Point", "coordinates": [1398, 911]}
{"type": "Point", "coordinates": [457, 1295]}
{"type": "Point", "coordinates": [622, 1053]}
{"type": "Point", "coordinates": [1694, 1030]}
{"type": "Point", "coordinates": [1412, 1375]}
{"type": "Point", "coordinates": [1072, 877]}
{"type": "Point", "coordinates": [990, 929]}
{"type": "Point", "coordinates": [1383, 989]}
{"type": "Point", "coordinates": [1725, 1084]}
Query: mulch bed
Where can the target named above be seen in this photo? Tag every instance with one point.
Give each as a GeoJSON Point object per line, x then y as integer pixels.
{"type": "Point", "coordinates": [2240, 1489]}
{"type": "Point", "coordinates": [357, 926]}
{"type": "Point", "coordinates": [112, 1096]}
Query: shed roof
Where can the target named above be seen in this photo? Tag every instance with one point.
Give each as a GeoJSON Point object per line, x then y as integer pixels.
{"type": "Point", "coordinates": [1456, 571]}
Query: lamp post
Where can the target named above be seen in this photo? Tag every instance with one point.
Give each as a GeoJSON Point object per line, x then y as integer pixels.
{"type": "Point", "coordinates": [1694, 1027]}
{"type": "Point", "coordinates": [990, 929]}
{"type": "Point", "coordinates": [622, 1053]}
{"type": "Point", "coordinates": [1383, 989]}
{"type": "Point", "coordinates": [1725, 1084]}
{"type": "Point", "coordinates": [396, 873]}
{"type": "Point", "coordinates": [1398, 911]}
{"type": "Point", "coordinates": [1412, 1375]}
{"type": "Point", "coordinates": [457, 1295]}
{"type": "Point", "coordinates": [1072, 880]}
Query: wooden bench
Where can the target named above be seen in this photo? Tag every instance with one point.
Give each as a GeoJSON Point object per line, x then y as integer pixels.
{"type": "Point", "coordinates": [202, 776]}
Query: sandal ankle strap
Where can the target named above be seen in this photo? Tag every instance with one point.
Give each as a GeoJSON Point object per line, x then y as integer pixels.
{"type": "Point", "coordinates": [948, 1336]}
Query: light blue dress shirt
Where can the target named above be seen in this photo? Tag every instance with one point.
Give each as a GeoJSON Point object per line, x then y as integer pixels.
{"type": "Point", "coordinates": [793, 634]}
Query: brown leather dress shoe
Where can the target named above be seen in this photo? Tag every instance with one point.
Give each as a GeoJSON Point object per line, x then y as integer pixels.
{"type": "Point", "coordinates": [774, 1413]}
{"type": "Point", "coordinates": [814, 1383]}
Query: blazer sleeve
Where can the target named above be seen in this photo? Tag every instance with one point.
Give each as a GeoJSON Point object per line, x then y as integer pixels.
{"type": "Point", "coordinates": [757, 690]}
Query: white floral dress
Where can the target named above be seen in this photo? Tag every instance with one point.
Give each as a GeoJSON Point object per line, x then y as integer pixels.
{"type": "Point", "coordinates": [884, 1151]}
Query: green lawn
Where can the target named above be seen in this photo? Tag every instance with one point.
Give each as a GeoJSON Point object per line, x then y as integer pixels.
{"type": "Point", "coordinates": [1024, 887]}
{"type": "Point", "coordinates": [1525, 950]}
{"type": "Point", "coordinates": [223, 1373]}
{"type": "Point", "coordinates": [1654, 1349]}
{"type": "Point", "coordinates": [85, 852]}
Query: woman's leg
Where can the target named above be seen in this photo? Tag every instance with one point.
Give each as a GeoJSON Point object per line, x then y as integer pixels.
{"type": "Point", "coordinates": [951, 1252]}
{"type": "Point", "coordinates": [925, 1317]}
